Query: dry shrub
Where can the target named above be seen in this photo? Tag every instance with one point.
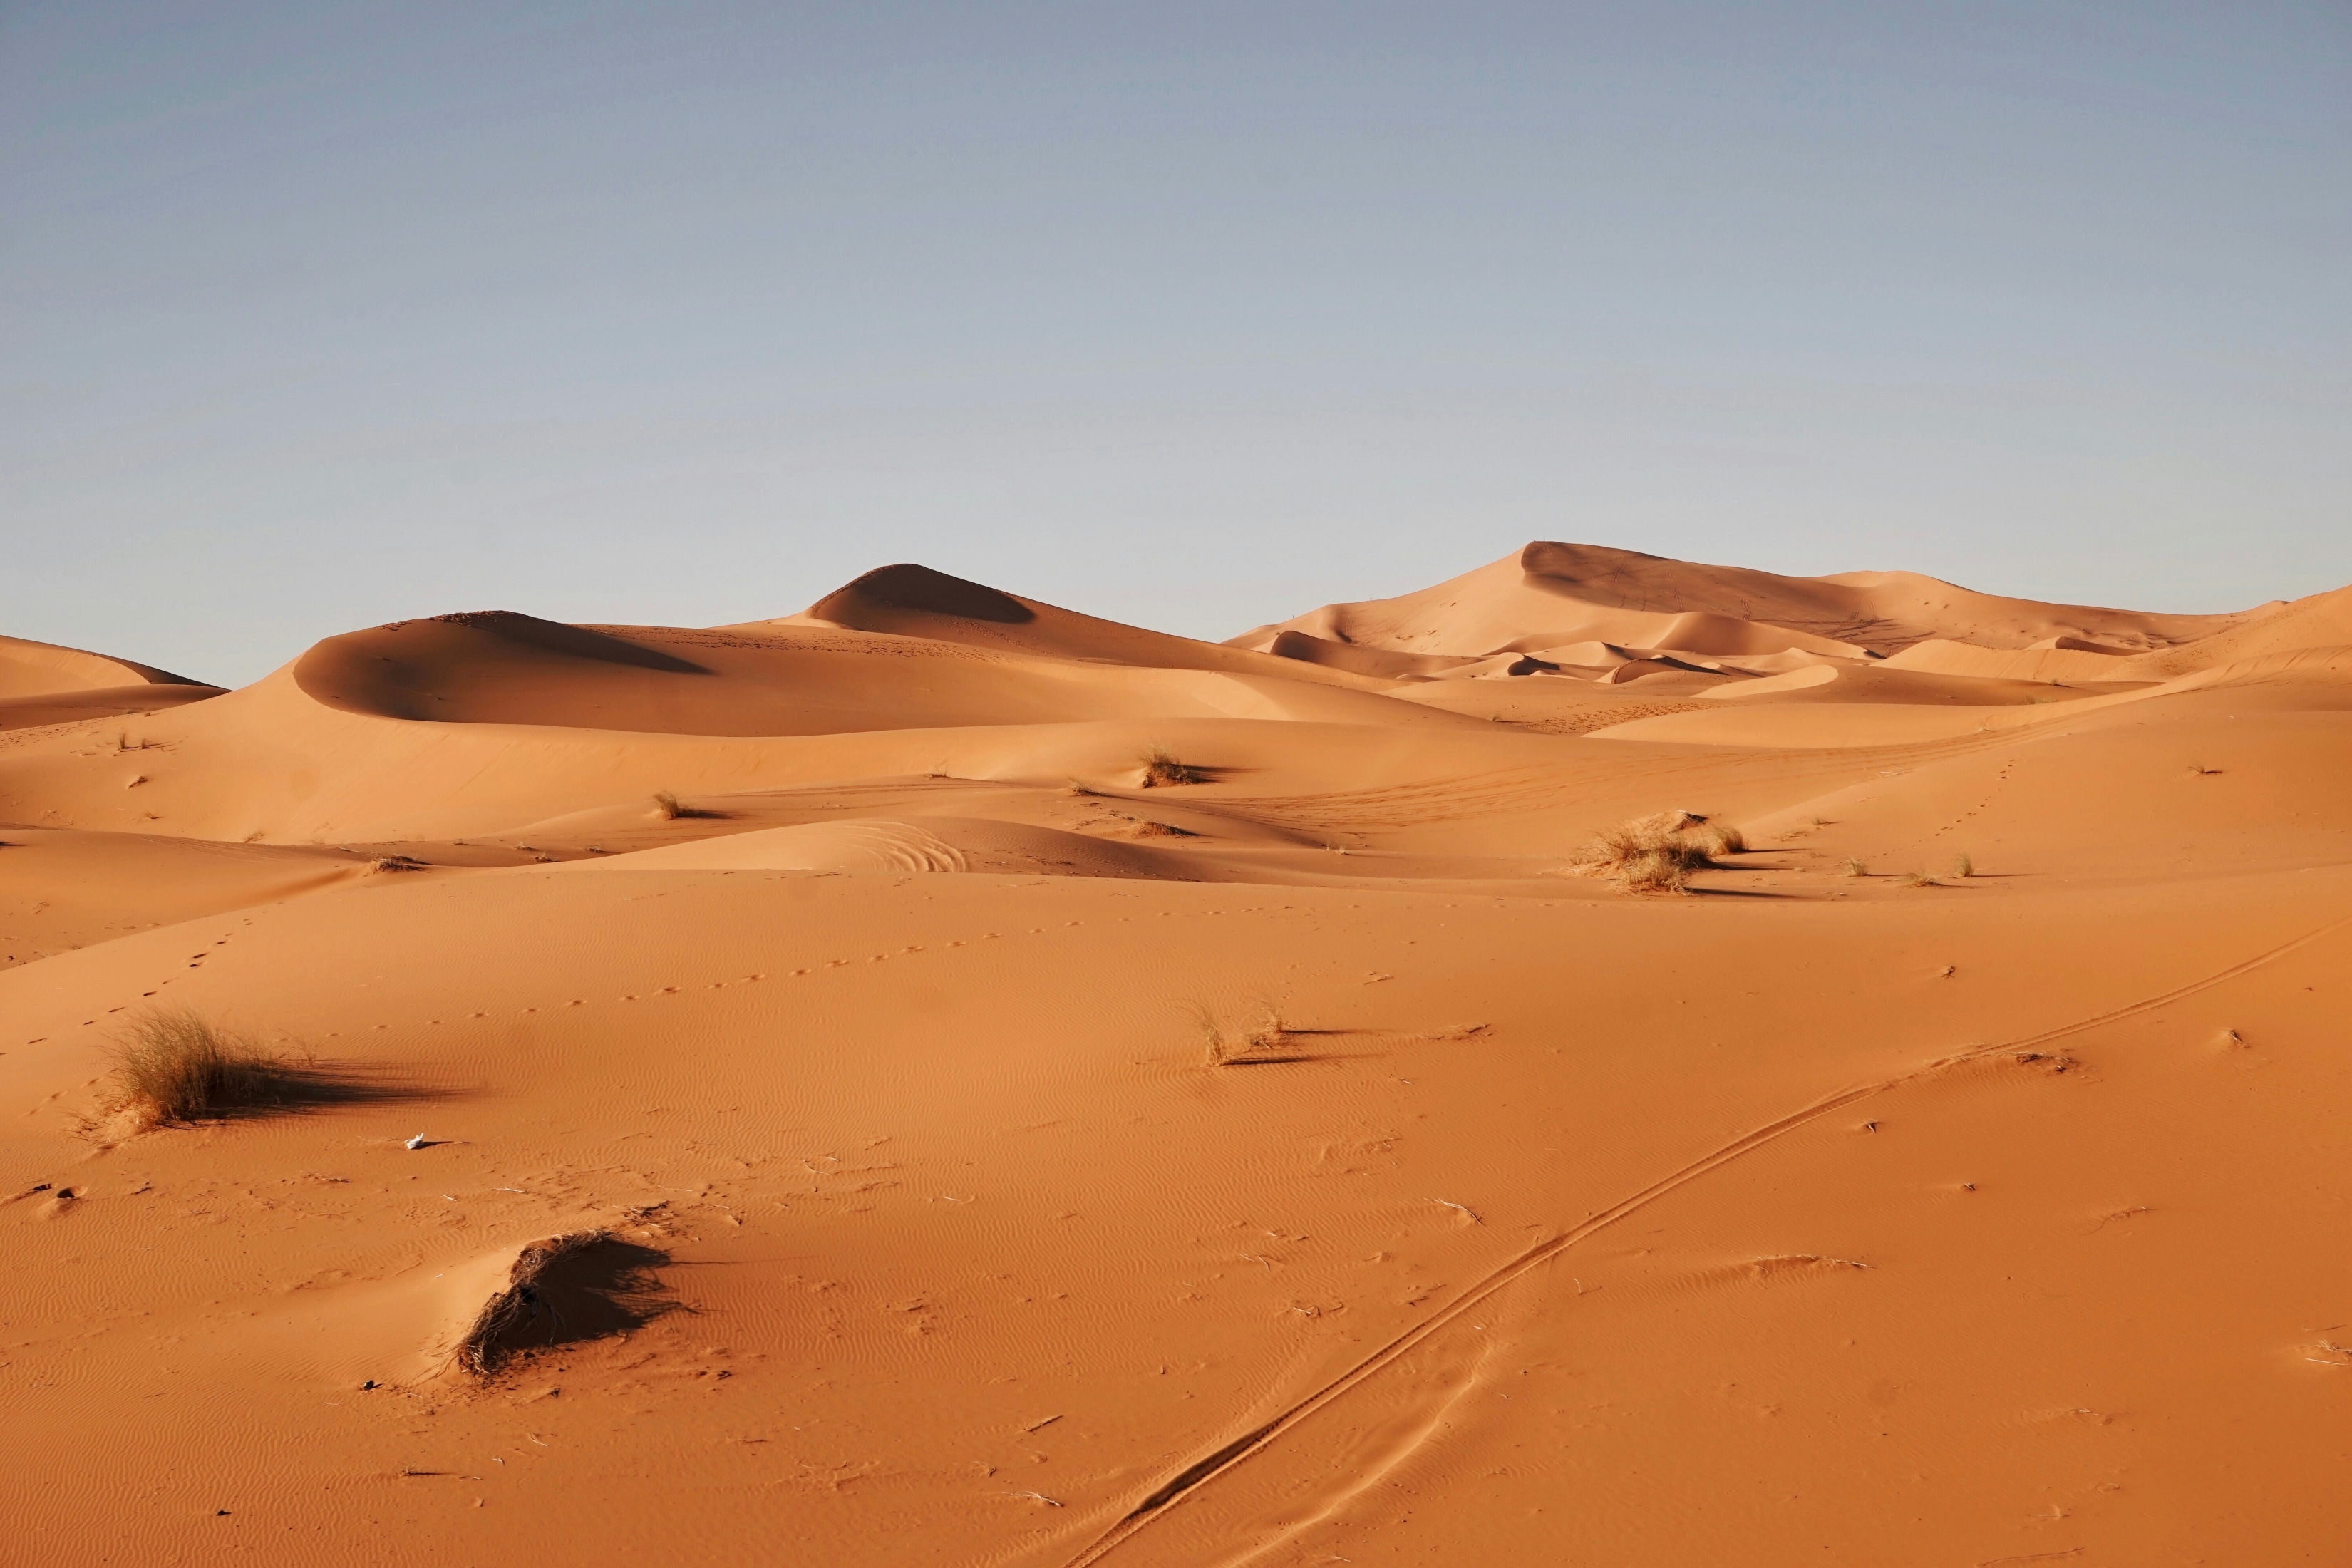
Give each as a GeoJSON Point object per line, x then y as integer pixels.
{"type": "Point", "coordinates": [1921, 879]}
{"type": "Point", "coordinates": [1271, 1030]}
{"type": "Point", "coordinates": [1148, 829]}
{"type": "Point", "coordinates": [1161, 768]}
{"type": "Point", "coordinates": [1720, 837]}
{"type": "Point", "coordinates": [396, 863]}
{"type": "Point", "coordinates": [1220, 1049]}
{"type": "Point", "coordinates": [666, 807]}
{"type": "Point", "coordinates": [1224, 1050]}
{"type": "Point", "coordinates": [1964, 866]}
{"type": "Point", "coordinates": [180, 1067]}
{"type": "Point", "coordinates": [1855, 868]}
{"type": "Point", "coordinates": [580, 1285]}
{"type": "Point", "coordinates": [1657, 854]}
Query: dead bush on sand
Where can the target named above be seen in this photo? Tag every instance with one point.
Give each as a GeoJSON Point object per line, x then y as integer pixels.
{"type": "Point", "coordinates": [1271, 1029]}
{"type": "Point", "coordinates": [666, 807]}
{"type": "Point", "coordinates": [1270, 1033]}
{"type": "Point", "coordinates": [1719, 838]}
{"type": "Point", "coordinates": [1161, 768]}
{"type": "Point", "coordinates": [1964, 866]}
{"type": "Point", "coordinates": [1854, 868]}
{"type": "Point", "coordinates": [577, 1285]}
{"type": "Point", "coordinates": [1657, 854]}
{"type": "Point", "coordinates": [1921, 879]}
{"type": "Point", "coordinates": [1220, 1049]}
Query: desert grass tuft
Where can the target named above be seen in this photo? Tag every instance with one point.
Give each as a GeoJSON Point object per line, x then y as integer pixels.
{"type": "Point", "coordinates": [1161, 768]}
{"type": "Point", "coordinates": [1077, 786]}
{"type": "Point", "coordinates": [1221, 1047]}
{"type": "Point", "coordinates": [1719, 838]}
{"type": "Point", "coordinates": [667, 807]}
{"type": "Point", "coordinates": [179, 1067]}
{"type": "Point", "coordinates": [1921, 879]}
{"type": "Point", "coordinates": [1657, 854]}
{"type": "Point", "coordinates": [1854, 867]}
{"type": "Point", "coordinates": [395, 863]}
{"type": "Point", "coordinates": [1964, 866]}
{"type": "Point", "coordinates": [1271, 1031]}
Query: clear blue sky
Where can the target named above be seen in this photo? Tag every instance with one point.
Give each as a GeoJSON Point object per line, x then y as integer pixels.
{"type": "Point", "coordinates": [320, 314]}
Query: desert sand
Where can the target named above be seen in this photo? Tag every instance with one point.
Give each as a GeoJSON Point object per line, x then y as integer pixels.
{"type": "Point", "coordinates": [980, 1151]}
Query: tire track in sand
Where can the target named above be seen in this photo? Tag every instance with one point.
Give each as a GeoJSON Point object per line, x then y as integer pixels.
{"type": "Point", "coordinates": [1192, 1477]}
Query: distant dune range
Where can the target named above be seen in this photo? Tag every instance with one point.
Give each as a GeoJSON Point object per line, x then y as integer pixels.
{"type": "Point", "coordinates": [944, 1078]}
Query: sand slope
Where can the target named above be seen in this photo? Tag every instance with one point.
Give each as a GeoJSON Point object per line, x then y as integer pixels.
{"type": "Point", "coordinates": [1863, 1206]}
{"type": "Point", "coordinates": [41, 683]}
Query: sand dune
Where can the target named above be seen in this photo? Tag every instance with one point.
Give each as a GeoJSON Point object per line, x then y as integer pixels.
{"type": "Point", "coordinates": [40, 669]}
{"type": "Point", "coordinates": [915, 601]}
{"type": "Point", "coordinates": [41, 684]}
{"type": "Point", "coordinates": [866, 1113]}
{"type": "Point", "coordinates": [1551, 593]}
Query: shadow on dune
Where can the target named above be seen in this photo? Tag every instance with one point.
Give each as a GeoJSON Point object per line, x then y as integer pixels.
{"type": "Point", "coordinates": [285, 1088]}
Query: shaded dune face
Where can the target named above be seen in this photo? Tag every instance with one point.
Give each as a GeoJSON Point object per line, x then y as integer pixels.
{"type": "Point", "coordinates": [1601, 1056]}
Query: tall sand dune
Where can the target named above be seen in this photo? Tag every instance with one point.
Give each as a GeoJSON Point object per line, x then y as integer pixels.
{"type": "Point", "coordinates": [1550, 593]}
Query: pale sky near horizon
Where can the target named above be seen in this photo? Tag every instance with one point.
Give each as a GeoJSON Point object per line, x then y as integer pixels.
{"type": "Point", "coordinates": [317, 315]}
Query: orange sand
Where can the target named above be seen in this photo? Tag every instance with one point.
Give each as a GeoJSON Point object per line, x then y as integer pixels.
{"type": "Point", "coordinates": [1811, 1217]}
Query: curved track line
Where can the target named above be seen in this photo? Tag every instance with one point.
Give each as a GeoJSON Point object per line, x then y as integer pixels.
{"type": "Point", "coordinates": [1189, 1478]}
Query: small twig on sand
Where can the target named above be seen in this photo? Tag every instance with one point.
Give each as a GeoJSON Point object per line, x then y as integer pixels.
{"type": "Point", "coordinates": [1464, 1208]}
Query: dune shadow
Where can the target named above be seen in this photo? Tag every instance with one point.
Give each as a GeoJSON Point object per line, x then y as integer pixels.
{"type": "Point", "coordinates": [574, 642]}
{"type": "Point", "coordinates": [287, 1088]}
